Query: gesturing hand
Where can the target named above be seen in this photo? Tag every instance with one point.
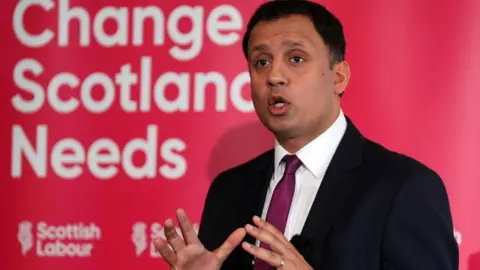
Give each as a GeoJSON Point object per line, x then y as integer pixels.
{"type": "Point", "coordinates": [189, 253]}
{"type": "Point", "coordinates": [282, 255]}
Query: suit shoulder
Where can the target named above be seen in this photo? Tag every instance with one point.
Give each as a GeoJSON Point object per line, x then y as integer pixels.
{"type": "Point", "coordinates": [402, 178]}
{"type": "Point", "coordinates": [393, 163]}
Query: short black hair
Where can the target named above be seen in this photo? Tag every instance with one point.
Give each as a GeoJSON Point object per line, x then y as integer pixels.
{"type": "Point", "coordinates": [325, 23]}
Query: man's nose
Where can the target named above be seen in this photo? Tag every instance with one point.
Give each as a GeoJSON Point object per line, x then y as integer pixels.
{"type": "Point", "coordinates": [276, 75]}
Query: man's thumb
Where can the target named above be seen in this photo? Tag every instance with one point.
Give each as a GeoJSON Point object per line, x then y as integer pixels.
{"type": "Point", "coordinates": [230, 244]}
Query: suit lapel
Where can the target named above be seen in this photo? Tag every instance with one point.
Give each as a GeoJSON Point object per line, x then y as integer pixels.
{"type": "Point", "coordinates": [338, 181]}
{"type": "Point", "coordinates": [255, 194]}
{"type": "Point", "coordinates": [259, 186]}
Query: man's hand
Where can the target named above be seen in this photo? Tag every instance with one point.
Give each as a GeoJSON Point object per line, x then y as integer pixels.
{"type": "Point", "coordinates": [189, 253]}
{"type": "Point", "coordinates": [282, 255]}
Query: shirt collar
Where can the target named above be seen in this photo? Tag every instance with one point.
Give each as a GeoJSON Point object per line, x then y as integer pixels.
{"type": "Point", "coordinates": [317, 154]}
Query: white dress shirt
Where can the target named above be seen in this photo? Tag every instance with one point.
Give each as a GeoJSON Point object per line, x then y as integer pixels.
{"type": "Point", "coordinates": [316, 157]}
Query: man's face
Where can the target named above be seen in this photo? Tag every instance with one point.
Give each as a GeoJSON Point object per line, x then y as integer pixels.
{"type": "Point", "coordinates": [294, 90]}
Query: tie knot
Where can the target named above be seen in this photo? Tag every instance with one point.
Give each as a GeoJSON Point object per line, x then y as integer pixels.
{"type": "Point", "coordinates": [292, 163]}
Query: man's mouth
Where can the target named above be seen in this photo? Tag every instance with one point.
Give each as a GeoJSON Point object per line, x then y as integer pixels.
{"type": "Point", "coordinates": [278, 105]}
{"type": "Point", "coordinates": [277, 101]}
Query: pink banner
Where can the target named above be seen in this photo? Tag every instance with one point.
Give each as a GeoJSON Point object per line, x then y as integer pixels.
{"type": "Point", "coordinates": [116, 113]}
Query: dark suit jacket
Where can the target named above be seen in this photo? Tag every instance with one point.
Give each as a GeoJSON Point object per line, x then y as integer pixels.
{"type": "Point", "coordinates": [375, 209]}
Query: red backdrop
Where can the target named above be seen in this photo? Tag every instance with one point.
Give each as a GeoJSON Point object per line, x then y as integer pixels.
{"type": "Point", "coordinates": [110, 122]}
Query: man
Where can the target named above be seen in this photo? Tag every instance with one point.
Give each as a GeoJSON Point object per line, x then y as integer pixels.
{"type": "Point", "coordinates": [325, 197]}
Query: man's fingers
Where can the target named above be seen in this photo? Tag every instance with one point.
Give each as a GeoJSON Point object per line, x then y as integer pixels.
{"type": "Point", "coordinates": [268, 238]}
{"type": "Point", "coordinates": [230, 244]}
{"type": "Point", "coordinates": [164, 249]}
{"type": "Point", "coordinates": [186, 227]}
{"type": "Point", "coordinates": [267, 256]}
{"type": "Point", "coordinates": [172, 236]}
{"type": "Point", "coordinates": [262, 224]}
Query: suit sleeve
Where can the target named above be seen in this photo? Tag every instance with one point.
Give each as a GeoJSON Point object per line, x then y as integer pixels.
{"type": "Point", "coordinates": [419, 229]}
{"type": "Point", "coordinates": [210, 217]}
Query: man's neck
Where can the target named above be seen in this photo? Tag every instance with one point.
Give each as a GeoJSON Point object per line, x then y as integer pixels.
{"type": "Point", "coordinates": [293, 145]}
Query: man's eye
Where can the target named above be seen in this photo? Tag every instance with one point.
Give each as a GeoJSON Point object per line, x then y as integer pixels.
{"type": "Point", "coordinates": [297, 59]}
{"type": "Point", "coordinates": [262, 62]}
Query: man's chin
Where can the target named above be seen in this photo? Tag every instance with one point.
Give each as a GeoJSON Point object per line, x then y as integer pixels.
{"type": "Point", "coordinates": [281, 129]}
{"type": "Point", "coordinates": [277, 124]}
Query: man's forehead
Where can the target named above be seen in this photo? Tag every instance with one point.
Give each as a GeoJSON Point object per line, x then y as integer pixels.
{"type": "Point", "coordinates": [285, 41]}
{"type": "Point", "coordinates": [285, 35]}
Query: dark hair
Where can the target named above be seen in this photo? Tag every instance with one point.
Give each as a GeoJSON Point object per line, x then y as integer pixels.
{"type": "Point", "coordinates": [325, 23]}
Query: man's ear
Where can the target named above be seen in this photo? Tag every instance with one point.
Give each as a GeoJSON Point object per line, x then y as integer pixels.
{"type": "Point", "coordinates": [341, 73]}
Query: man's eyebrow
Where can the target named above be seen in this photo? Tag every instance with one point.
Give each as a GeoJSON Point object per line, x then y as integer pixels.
{"type": "Point", "coordinates": [259, 48]}
{"type": "Point", "coordinates": [293, 44]}
{"type": "Point", "coordinates": [288, 43]}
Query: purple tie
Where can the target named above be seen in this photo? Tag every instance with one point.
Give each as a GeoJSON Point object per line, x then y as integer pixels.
{"type": "Point", "coordinates": [280, 203]}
